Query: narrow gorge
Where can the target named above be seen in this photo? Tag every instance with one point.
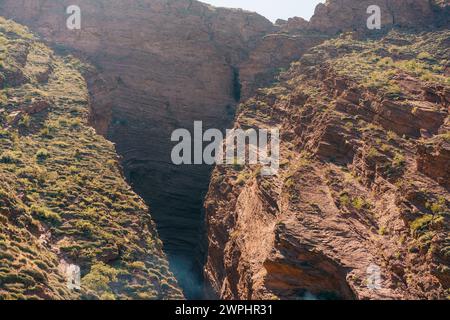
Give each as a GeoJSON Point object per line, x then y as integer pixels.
{"type": "Point", "coordinates": [160, 65]}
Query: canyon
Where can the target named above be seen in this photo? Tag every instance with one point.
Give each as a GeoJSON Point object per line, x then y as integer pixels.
{"type": "Point", "coordinates": [70, 225]}
{"type": "Point", "coordinates": [352, 201]}
{"type": "Point", "coordinates": [160, 65]}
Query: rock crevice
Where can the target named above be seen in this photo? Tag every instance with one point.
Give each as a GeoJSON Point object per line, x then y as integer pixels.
{"type": "Point", "coordinates": [161, 65]}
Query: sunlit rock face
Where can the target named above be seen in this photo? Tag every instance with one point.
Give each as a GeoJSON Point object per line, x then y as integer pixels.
{"type": "Point", "coordinates": [161, 65]}
{"type": "Point", "coordinates": [71, 227]}
{"type": "Point", "coordinates": [348, 15]}
{"type": "Point", "coordinates": [359, 208]}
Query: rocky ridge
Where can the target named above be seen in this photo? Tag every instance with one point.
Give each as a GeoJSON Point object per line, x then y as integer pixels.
{"type": "Point", "coordinates": [64, 204]}
{"type": "Point", "coordinates": [363, 184]}
{"type": "Point", "coordinates": [163, 64]}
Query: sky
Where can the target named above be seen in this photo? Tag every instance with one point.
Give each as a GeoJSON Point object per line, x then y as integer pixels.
{"type": "Point", "coordinates": [272, 9]}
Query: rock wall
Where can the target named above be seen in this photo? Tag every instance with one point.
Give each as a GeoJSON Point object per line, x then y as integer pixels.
{"type": "Point", "coordinates": [70, 225]}
{"type": "Point", "coordinates": [163, 64]}
{"type": "Point", "coordinates": [348, 15]}
{"type": "Point", "coordinates": [360, 206]}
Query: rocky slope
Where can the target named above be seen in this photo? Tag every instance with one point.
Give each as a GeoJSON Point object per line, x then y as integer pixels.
{"type": "Point", "coordinates": [363, 182]}
{"type": "Point", "coordinates": [337, 16]}
{"type": "Point", "coordinates": [63, 201]}
{"type": "Point", "coordinates": [162, 64]}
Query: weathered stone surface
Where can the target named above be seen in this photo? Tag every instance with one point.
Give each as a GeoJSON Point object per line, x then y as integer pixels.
{"type": "Point", "coordinates": [348, 15]}
{"type": "Point", "coordinates": [433, 159]}
{"type": "Point", "coordinates": [360, 191]}
{"type": "Point", "coordinates": [161, 65]}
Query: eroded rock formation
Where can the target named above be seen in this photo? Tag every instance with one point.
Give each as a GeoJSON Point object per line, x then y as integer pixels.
{"type": "Point", "coordinates": [163, 64]}
{"type": "Point", "coordinates": [70, 225]}
{"type": "Point", "coordinates": [363, 187]}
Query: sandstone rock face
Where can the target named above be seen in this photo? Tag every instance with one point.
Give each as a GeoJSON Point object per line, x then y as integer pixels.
{"type": "Point", "coordinates": [272, 54]}
{"type": "Point", "coordinates": [433, 159]}
{"type": "Point", "coordinates": [360, 206]}
{"type": "Point", "coordinates": [70, 225]}
{"type": "Point", "coordinates": [347, 15]}
{"type": "Point", "coordinates": [161, 65]}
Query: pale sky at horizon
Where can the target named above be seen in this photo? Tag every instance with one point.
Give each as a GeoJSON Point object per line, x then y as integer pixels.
{"type": "Point", "coordinates": [272, 9]}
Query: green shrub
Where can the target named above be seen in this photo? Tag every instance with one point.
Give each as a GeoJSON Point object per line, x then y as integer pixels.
{"type": "Point", "coordinates": [358, 203]}
{"type": "Point", "coordinates": [75, 123]}
{"type": "Point", "coordinates": [25, 121]}
{"type": "Point", "coordinates": [385, 147]}
{"type": "Point", "coordinates": [9, 157]}
{"type": "Point", "coordinates": [348, 126]}
{"type": "Point", "coordinates": [425, 56]}
{"type": "Point", "coordinates": [419, 225]}
{"type": "Point", "coordinates": [387, 61]}
{"type": "Point", "coordinates": [4, 133]}
{"type": "Point", "coordinates": [437, 207]}
{"type": "Point", "coordinates": [34, 173]}
{"type": "Point", "coordinates": [42, 154]}
{"type": "Point", "coordinates": [99, 280]}
{"type": "Point", "coordinates": [392, 136]}
{"type": "Point", "coordinates": [85, 227]}
{"type": "Point", "coordinates": [3, 98]}
{"type": "Point", "coordinates": [372, 153]}
{"type": "Point", "coordinates": [290, 182]}
{"type": "Point", "coordinates": [382, 231]}
{"type": "Point", "coordinates": [164, 285]}
{"type": "Point", "coordinates": [137, 265]}
{"type": "Point", "coordinates": [45, 132]}
{"type": "Point", "coordinates": [243, 177]}
{"type": "Point", "coordinates": [36, 274]}
{"type": "Point", "coordinates": [45, 214]}
{"type": "Point", "coordinates": [344, 199]}
{"type": "Point", "coordinates": [399, 160]}
{"type": "Point", "coordinates": [393, 89]}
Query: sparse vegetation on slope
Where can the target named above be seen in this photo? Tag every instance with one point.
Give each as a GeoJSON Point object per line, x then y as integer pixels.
{"type": "Point", "coordinates": [63, 199]}
{"type": "Point", "coordinates": [364, 177]}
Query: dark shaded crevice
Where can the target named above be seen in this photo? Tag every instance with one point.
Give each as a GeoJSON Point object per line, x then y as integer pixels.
{"type": "Point", "coordinates": [237, 86]}
{"type": "Point", "coordinates": [179, 218]}
{"type": "Point", "coordinates": [175, 195]}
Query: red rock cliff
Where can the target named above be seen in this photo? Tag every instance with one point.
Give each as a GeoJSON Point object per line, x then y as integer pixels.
{"type": "Point", "coordinates": [362, 192]}
{"type": "Point", "coordinates": [161, 65]}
